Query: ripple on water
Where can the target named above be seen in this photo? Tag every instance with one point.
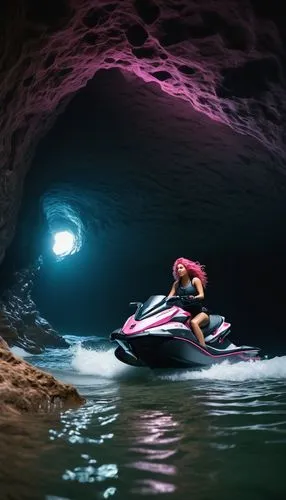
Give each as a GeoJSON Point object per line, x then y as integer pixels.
{"type": "Point", "coordinates": [218, 433]}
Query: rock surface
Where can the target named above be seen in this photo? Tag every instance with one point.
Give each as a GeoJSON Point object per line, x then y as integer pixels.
{"type": "Point", "coordinates": [24, 388]}
{"type": "Point", "coordinates": [21, 324]}
{"type": "Point", "coordinates": [226, 59]}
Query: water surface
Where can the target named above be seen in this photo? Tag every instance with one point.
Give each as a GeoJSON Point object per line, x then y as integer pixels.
{"type": "Point", "coordinates": [214, 434]}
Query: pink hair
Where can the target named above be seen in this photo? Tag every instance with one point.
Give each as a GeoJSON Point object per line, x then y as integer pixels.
{"type": "Point", "coordinates": [195, 269]}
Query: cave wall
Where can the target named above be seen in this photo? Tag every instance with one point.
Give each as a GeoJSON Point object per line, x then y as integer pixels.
{"type": "Point", "coordinates": [225, 59]}
{"type": "Point", "coordinates": [152, 181]}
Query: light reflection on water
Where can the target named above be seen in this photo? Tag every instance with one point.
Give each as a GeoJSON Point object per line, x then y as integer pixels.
{"type": "Point", "coordinates": [155, 443]}
{"type": "Point", "coordinates": [135, 438]}
{"type": "Point", "coordinates": [75, 429]}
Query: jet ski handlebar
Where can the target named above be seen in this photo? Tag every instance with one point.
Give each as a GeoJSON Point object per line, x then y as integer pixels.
{"type": "Point", "coordinates": [183, 300]}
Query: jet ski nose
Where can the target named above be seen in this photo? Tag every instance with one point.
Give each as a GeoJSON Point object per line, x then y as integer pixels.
{"type": "Point", "coordinates": [114, 334]}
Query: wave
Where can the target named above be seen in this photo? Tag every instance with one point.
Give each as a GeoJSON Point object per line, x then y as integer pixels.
{"type": "Point", "coordinates": [103, 363]}
{"type": "Point", "coordinates": [268, 369]}
{"type": "Point", "coordinates": [100, 362]}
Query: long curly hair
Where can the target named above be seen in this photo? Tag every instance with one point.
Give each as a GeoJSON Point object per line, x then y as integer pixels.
{"type": "Point", "coordinates": [195, 270]}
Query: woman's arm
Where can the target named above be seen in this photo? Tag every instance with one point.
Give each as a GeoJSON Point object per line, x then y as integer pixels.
{"type": "Point", "coordinates": [173, 289]}
{"type": "Point", "coordinates": [199, 287]}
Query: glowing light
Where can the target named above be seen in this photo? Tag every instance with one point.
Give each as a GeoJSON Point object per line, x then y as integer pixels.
{"type": "Point", "coordinates": [64, 243]}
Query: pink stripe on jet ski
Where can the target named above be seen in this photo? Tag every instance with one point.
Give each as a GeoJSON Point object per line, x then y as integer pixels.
{"type": "Point", "coordinates": [213, 355]}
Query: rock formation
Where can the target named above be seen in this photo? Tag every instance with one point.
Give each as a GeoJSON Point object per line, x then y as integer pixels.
{"type": "Point", "coordinates": [226, 59]}
{"type": "Point", "coordinates": [21, 324]}
{"type": "Point", "coordinates": [24, 388]}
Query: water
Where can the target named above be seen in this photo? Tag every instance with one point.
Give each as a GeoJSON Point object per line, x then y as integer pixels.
{"type": "Point", "coordinates": [214, 434]}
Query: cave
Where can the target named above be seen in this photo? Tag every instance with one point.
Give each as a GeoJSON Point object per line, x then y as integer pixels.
{"type": "Point", "coordinates": [142, 131]}
{"type": "Point", "coordinates": [151, 130]}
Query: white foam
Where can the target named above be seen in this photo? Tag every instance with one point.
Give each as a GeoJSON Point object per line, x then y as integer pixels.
{"type": "Point", "coordinates": [246, 370]}
{"type": "Point", "coordinates": [18, 351]}
{"type": "Point", "coordinates": [104, 364]}
{"type": "Point", "coordinates": [99, 362]}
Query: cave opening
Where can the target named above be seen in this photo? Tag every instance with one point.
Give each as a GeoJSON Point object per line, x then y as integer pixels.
{"type": "Point", "coordinates": [64, 243]}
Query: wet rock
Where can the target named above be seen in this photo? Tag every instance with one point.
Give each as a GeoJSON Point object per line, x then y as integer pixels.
{"type": "Point", "coordinates": [25, 388]}
{"type": "Point", "coordinates": [21, 325]}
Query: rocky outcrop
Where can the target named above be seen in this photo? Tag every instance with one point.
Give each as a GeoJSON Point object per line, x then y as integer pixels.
{"type": "Point", "coordinates": [24, 388]}
{"type": "Point", "coordinates": [32, 333]}
{"type": "Point", "coordinates": [21, 324]}
{"type": "Point", "coordinates": [225, 59]}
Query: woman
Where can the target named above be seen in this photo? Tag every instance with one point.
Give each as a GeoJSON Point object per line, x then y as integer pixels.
{"type": "Point", "coordinates": [191, 280]}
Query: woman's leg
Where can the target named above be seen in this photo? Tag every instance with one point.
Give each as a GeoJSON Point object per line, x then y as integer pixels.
{"type": "Point", "coordinates": [199, 320]}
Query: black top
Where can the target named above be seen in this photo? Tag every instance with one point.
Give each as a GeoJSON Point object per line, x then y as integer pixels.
{"type": "Point", "coordinates": [190, 289]}
{"type": "Point", "coordinates": [196, 307]}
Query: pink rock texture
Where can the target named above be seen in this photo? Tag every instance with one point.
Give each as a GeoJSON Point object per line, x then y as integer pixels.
{"type": "Point", "coordinates": [225, 59]}
{"type": "Point", "coordinates": [25, 388]}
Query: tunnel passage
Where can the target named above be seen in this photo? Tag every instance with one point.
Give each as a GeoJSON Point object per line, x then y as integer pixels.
{"type": "Point", "coordinates": [227, 63]}
{"type": "Point", "coordinates": [146, 181]}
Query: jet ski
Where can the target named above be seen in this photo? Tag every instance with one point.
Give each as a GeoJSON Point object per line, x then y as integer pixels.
{"type": "Point", "coordinates": [158, 336]}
